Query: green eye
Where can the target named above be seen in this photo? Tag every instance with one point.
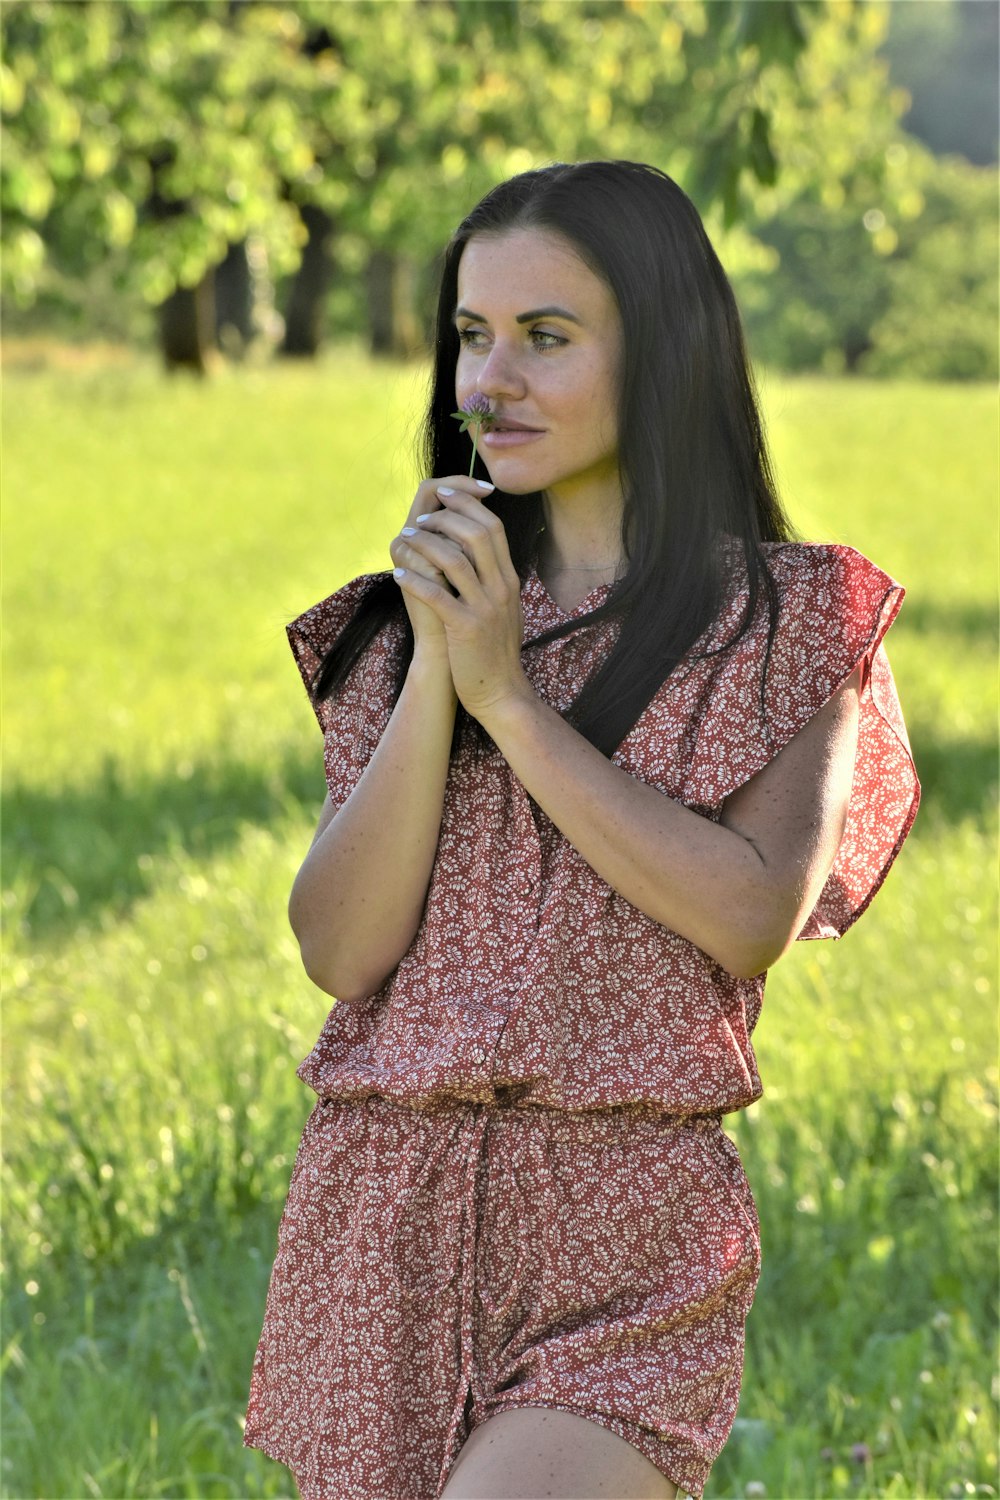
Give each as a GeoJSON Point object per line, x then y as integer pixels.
{"type": "Point", "coordinates": [541, 338]}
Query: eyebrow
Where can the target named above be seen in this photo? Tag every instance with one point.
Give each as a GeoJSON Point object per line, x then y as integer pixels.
{"type": "Point", "coordinates": [527, 317]}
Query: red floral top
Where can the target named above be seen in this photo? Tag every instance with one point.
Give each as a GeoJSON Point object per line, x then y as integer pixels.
{"type": "Point", "coordinates": [529, 971]}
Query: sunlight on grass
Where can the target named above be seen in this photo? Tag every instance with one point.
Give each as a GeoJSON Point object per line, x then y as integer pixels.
{"type": "Point", "coordinates": [162, 781]}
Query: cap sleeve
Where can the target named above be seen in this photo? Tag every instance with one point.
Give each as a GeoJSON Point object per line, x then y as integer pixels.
{"type": "Point", "coordinates": [835, 608]}
{"type": "Point", "coordinates": [353, 719]}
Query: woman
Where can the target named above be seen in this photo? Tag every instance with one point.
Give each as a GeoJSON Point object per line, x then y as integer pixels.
{"type": "Point", "coordinates": [601, 747]}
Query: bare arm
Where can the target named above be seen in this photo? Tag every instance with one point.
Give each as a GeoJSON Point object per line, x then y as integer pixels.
{"type": "Point", "coordinates": [358, 898]}
{"type": "Point", "coordinates": [741, 889]}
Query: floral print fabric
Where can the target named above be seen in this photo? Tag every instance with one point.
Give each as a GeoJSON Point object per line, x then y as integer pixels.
{"type": "Point", "coordinates": [528, 969]}
{"type": "Point", "coordinates": [515, 1189]}
{"type": "Point", "coordinates": [438, 1266]}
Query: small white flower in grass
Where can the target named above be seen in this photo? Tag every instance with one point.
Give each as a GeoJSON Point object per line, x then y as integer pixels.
{"type": "Point", "coordinates": [755, 1490]}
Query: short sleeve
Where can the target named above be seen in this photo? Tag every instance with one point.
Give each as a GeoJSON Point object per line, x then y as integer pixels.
{"type": "Point", "coordinates": [835, 608]}
{"type": "Point", "coordinates": [353, 719]}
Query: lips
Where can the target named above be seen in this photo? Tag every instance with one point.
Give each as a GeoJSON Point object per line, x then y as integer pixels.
{"type": "Point", "coordinates": [507, 424]}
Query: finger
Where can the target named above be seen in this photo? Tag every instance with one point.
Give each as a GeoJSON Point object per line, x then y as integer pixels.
{"type": "Point", "coordinates": [470, 536]}
{"type": "Point", "coordinates": [444, 605]}
{"type": "Point", "coordinates": [426, 498]}
{"type": "Point", "coordinates": [480, 531]}
{"type": "Point", "coordinates": [449, 557]}
{"type": "Point", "coordinates": [471, 539]}
{"type": "Point", "coordinates": [405, 556]}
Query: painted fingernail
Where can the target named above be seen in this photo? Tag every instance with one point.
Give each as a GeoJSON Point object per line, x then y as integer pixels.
{"type": "Point", "coordinates": [446, 492]}
{"type": "Point", "coordinates": [424, 518]}
{"type": "Point", "coordinates": [483, 484]}
{"type": "Point", "coordinates": [398, 572]}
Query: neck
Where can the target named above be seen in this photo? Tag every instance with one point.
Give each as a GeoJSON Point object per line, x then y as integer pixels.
{"type": "Point", "coordinates": [584, 540]}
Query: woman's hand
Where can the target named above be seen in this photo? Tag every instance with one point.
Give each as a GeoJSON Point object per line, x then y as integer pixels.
{"type": "Point", "coordinates": [428, 631]}
{"type": "Point", "coordinates": [483, 623]}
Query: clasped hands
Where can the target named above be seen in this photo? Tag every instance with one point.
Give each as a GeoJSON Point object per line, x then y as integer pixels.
{"type": "Point", "coordinates": [451, 538]}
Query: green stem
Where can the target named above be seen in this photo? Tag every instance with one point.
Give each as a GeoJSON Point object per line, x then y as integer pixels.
{"type": "Point", "coordinates": [477, 427]}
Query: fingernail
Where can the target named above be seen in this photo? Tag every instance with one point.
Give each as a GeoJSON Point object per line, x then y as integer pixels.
{"type": "Point", "coordinates": [398, 572]}
{"type": "Point", "coordinates": [446, 492]}
{"type": "Point", "coordinates": [409, 530]}
{"type": "Point", "coordinates": [483, 484]}
{"type": "Point", "coordinates": [420, 518]}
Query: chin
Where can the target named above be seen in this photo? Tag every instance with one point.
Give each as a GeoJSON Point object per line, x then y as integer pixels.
{"type": "Point", "coordinates": [513, 480]}
{"type": "Point", "coordinates": [516, 486]}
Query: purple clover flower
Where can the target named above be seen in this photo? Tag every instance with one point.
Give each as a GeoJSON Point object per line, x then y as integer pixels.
{"type": "Point", "coordinates": [861, 1453]}
{"type": "Point", "coordinates": [475, 413]}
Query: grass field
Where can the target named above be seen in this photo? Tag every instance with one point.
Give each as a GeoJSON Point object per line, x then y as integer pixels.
{"type": "Point", "coordinates": [162, 780]}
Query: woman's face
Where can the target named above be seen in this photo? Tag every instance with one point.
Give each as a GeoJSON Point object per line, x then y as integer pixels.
{"type": "Point", "coordinates": [541, 337]}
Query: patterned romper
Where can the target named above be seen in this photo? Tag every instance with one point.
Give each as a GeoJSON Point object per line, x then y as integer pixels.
{"type": "Point", "coordinates": [514, 1189]}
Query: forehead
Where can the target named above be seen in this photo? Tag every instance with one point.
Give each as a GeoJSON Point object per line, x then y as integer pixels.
{"type": "Point", "coordinates": [529, 268]}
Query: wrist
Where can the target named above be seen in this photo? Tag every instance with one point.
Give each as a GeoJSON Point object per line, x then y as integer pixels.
{"type": "Point", "coordinates": [505, 714]}
{"type": "Point", "coordinates": [430, 666]}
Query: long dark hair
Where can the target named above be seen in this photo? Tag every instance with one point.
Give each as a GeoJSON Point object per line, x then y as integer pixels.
{"type": "Point", "coordinates": [693, 460]}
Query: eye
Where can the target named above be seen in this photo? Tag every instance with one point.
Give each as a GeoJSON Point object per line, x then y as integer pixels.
{"type": "Point", "coordinates": [542, 340]}
{"type": "Point", "coordinates": [554, 338]}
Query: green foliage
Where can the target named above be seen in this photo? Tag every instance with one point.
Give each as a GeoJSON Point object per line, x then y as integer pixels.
{"type": "Point", "coordinates": [163, 779]}
{"type": "Point", "coordinates": [942, 314]}
{"type": "Point", "coordinates": [898, 283]}
{"type": "Point", "coordinates": [395, 118]}
{"type": "Point", "coordinates": [104, 102]}
{"type": "Point", "coordinates": [143, 139]}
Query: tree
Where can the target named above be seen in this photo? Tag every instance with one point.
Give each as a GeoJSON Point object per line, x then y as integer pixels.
{"type": "Point", "coordinates": [158, 136]}
{"type": "Point", "coordinates": [144, 134]}
{"type": "Point", "coordinates": [941, 317]}
{"type": "Point", "coordinates": [862, 287]}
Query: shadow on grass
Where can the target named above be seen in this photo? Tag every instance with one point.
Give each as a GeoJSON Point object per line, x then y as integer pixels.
{"type": "Point", "coordinates": [80, 855]}
{"type": "Point", "coordinates": [958, 778]}
{"type": "Point", "coordinates": [976, 620]}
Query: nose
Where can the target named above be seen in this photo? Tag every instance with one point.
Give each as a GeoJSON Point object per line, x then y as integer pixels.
{"type": "Point", "coordinates": [499, 374]}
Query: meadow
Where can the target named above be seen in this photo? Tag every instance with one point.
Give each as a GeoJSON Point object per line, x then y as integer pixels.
{"type": "Point", "coordinates": [162, 779]}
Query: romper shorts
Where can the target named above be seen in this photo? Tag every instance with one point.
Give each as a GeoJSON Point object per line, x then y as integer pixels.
{"type": "Point", "coordinates": [440, 1263]}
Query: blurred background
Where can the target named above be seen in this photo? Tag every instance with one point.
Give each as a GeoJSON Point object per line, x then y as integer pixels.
{"type": "Point", "coordinates": [258, 179]}
{"type": "Point", "coordinates": [221, 230]}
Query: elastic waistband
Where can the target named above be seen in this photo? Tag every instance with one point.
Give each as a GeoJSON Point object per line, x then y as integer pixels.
{"type": "Point", "coordinates": [611, 1122]}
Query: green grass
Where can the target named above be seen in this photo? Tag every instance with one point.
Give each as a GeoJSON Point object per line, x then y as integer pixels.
{"type": "Point", "coordinates": [162, 780]}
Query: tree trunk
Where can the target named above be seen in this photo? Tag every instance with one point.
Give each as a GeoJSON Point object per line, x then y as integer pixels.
{"type": "Point", "coordinates": [234, 302]}
{"type": "Point", "coordinates": [854, 345]}
{"type": "Point", "coordinates": [187, 317]}
{"type": "Point", "coordinates": [394, 327]}
{"type": "Point", "coordinates": [187, 328]}
{"type": "Point", "coordinates": [305, 310]}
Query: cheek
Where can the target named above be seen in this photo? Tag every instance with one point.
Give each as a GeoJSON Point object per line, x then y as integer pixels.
{"type": "Point", "coordinates": [463, 380]}
{"type": "Point", "coordinates": [597, 401]}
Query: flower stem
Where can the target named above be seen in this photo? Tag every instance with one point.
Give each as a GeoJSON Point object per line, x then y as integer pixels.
{"type": "Point", "coordinates": [475, 441]}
